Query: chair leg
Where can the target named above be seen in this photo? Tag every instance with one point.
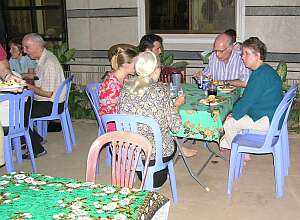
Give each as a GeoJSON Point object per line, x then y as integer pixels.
{"type": "Point", "coordinates": [17, 147]}
{"type": "Point", "coordinates": [42, 129]}
{"type": "Point", "coordinates": [29, 148]}
{"type": "Point", "coordinates": [279, 173]}
{"type": "Point", "coordinates": [232, 167]}
{"type": "Point", "coordinates": [108, 159]}
{"type": "Point", "coordinates": [172, 177]}
{"type": "Point", "coordinates": [284, 140]}
{"type": "Point", "coordinates": [65, 128]}
{"type": "Point", "coordinates": [70, 127]}
{"type": "Point", "coordinates": [8, 155]}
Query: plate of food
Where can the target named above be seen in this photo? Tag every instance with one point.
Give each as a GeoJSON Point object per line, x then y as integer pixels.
{"type": "Point", "coordinates": [226, 88]}
{"type": "Point", "coordinates": [11, 86]}
{"type": "Point", "coordinates": [211, 100]}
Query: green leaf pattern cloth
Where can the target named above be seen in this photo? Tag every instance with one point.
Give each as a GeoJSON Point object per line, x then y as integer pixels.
{"type": "Point", "coordinates": [36, 196]}
{"type": "Point", "coordinates": [204, 122]}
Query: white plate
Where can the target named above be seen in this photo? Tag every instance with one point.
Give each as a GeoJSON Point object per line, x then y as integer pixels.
{"type": "Point", "coordinates": [226, 90]}
{"type": "Point", "coordinates": [205, 102]}
{"type": "Point", "coordinates": [11, 88]}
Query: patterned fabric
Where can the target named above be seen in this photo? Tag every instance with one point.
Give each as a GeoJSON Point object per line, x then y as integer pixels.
{"type": "Point", "coordinates": [203, 122]}
{"type": "Point", "coordinates": [109, 94]}
{"type": "Point", "coordinates": [35, 196]}
{"type": "Point", "coordinates": [22, 65]}
{"type": "Point", "coordinates": [50, 74]}
{"type": "Point", "coordinates": [155, 103]}
{"type": "Point", "coordinates": [234, 69]}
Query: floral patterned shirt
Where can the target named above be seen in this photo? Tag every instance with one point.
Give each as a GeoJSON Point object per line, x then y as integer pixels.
{"type": "Point", "coordinates": [155, 103]}
{"type": "Point", "coordinates": [109, 94]}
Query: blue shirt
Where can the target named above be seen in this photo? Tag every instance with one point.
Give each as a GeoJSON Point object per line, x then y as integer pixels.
{"type": "Point", "coordinates": [22, 65]}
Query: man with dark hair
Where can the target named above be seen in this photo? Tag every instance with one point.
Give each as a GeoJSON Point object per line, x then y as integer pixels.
{"type": "Point", "coordinates": [151, 42]}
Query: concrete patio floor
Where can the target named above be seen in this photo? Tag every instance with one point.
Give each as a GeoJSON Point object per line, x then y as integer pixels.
{"type": "Point", "coordinates": [253, 195]}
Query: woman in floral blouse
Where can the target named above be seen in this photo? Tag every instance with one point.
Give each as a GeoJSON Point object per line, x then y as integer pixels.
{"type": "Point", "coordinates": [122, 65]}
{"type": "Point", "coordinates": [143, 95]}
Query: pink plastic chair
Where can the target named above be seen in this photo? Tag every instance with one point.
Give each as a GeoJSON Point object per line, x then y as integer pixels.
{"type": "Point", "coordinates": [127, 144]}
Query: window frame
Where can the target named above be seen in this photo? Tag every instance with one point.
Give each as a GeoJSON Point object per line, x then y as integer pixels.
{"type": "Point", "coordinates": [192, 38]}
{"type": "Point", "coordinates": [32, 8]}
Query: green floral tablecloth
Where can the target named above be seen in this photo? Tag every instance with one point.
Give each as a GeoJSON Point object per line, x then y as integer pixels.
{"type": "Point", "coordinates": [35, 196]}
{"type": "Point", "coordinates": [204, 122]}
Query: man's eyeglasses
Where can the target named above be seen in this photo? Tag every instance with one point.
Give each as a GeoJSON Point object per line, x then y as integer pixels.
{"type": "Point", "coordinates": [221, 51]}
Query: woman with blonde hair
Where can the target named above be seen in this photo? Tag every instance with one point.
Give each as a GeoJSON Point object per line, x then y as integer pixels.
{"type": "Point", "coordinates": [144, 95]}
{"type": "Point", "coordinates": [122, 65]}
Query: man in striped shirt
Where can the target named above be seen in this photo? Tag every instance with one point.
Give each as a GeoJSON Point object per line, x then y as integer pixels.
{"type": "Point", "coordinates": [226, 64]}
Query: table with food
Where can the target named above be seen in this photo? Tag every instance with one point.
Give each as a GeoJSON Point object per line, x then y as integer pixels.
{"type": "Point", "coordinates": [202, 117]}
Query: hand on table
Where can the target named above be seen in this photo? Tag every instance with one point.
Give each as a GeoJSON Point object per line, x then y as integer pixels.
{"type": "Point", "coordinates": [198, 74]}
{"type": "Point", "coordinates": [180, 101]}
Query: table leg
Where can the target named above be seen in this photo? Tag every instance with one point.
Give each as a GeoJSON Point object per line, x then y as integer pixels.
{"type": "Point", "coordinates": [213, 152]}
{"type": "Point", "coordinates": [179, 145]}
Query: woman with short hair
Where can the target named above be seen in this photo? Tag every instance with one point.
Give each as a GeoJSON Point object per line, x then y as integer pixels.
{"type": "Point", "coordinates": [261, 97]}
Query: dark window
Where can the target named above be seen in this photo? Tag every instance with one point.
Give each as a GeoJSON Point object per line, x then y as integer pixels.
{"type": "Point", "coordinates": [45, 17]}
{"type": "Point", "coordinates": [190, 16]}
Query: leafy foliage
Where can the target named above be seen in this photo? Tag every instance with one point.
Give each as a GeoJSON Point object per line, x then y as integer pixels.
{"type": "Point", "coordinates": [79, 105]}
{"type": "Point", "coordinates": [167, 60]}
{"type": "Point", "coordinates": [63, 53]}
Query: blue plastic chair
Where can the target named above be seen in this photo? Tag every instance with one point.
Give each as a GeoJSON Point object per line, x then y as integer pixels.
{"type": "Point", "coordinates": [130, 123]}
{"type": "Point", "coordinates": [64, 117]}
{"type": "Point", "coordinates": [259, 143]}
{"type": "Point", "coordinates": [284, 138]}
{"type": "Point", "coordinates": [92, 92]}
{"type": "Point", "coordinates": [17, 128]}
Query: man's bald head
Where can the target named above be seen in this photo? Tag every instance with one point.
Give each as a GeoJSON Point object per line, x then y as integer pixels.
{"type": "Point", "coordinates": [223, 47]}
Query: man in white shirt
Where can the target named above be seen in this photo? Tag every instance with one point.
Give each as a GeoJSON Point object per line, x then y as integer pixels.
{"type": "Point", "coordinates": [51, 75]}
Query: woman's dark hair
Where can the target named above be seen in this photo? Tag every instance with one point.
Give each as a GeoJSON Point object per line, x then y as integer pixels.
{"type": "Point", "coordinates": [17, 42]}
{"type": "Point", "coordinates": [148, 40]}
{"type": "Point", "coordinates": [257, 46]}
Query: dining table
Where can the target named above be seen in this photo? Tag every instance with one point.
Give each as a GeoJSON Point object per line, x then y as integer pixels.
{"type": "Point", "coordinates": [202, 120]}
{"type": "Point", "coordinates": [37, 196]}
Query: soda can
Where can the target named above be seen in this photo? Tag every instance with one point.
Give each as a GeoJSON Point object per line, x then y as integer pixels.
{"type": "Point", "coordinates": [205, 83]}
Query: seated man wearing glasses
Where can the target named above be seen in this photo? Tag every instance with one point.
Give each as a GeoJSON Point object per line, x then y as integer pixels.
{"type": "Point", "coordinates": [226, 64]}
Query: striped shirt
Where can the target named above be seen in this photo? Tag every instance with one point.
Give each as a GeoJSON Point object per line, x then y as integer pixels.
{"type": "Point", "coordinates": [234, 69]}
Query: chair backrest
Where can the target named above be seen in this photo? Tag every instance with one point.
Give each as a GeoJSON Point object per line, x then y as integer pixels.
{"type": "Point", "coordinates": [280, 118]}
{"type": "Point", "coordinates": [64, 86]}
{"type": "Point", "coordinates": [126, 151]}
{"type": "Point", "coordinates": [130, 123]}
{"type": "Point", "coordinates": [92, 92]}
{"type": "Point", "coordinates": [17, 102]}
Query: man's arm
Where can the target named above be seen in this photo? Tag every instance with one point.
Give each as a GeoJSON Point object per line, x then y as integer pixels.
{"type": "Point", "coordinates": [39, 91]}
{"type": "Point", "coordinates": [237, 83]}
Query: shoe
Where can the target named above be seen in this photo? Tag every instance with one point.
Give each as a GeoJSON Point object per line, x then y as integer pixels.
{"type": "Point", "coordinates": [27, 156]}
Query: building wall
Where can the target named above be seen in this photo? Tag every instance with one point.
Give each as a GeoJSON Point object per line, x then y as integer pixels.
{"type": "Point", "coordinates": [94, 26]}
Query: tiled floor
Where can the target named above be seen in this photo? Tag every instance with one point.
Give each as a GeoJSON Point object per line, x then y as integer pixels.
{"type": "Point", "coordinates": [253, 195]}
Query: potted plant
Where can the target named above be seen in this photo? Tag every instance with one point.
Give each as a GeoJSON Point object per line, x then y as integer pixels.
{"type": "Point", "coordinates": [168, 66]}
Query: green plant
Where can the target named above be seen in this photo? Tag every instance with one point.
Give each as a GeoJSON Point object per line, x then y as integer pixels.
{"type": "Point", "coordinates": [79, 105]}
{"type": "Point", "coordinates": [63, 53]}
{"type": "Point", "coordinates": [167, 60]}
